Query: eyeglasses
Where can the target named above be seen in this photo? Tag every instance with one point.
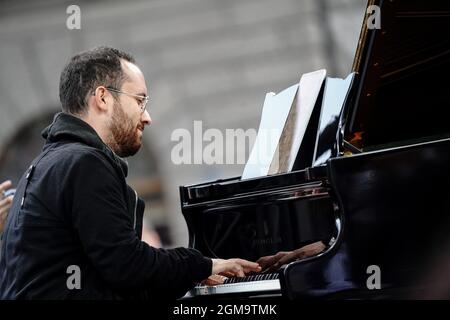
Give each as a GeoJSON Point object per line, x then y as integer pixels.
{"type": "Point", "coordinates": [142, 100]}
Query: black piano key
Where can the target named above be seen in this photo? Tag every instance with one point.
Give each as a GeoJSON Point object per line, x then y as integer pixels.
{"type": "Point", "coordinates": [254, 277]}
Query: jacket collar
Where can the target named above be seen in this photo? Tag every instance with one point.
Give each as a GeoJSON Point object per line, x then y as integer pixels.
{"type": "Point", "coordinates": [69, 127]}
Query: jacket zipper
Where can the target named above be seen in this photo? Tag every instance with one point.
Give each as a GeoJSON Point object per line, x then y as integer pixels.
{"type": "Point", "coordinates": [135, 209]}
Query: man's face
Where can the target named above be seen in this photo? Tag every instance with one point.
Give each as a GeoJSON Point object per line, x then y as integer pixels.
{"type": "Point", "coordinates": [128, 122]}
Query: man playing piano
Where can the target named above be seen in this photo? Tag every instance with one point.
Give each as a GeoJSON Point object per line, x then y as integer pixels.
{"type": "Point", "coordinates": [74, 230]}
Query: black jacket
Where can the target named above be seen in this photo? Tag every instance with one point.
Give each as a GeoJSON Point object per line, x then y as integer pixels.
{"type": "Point", "coordinates": [73, 207]}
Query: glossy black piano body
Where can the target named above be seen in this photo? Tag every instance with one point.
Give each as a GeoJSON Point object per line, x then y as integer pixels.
{"type": "Point", "coordinates": [383, 194]}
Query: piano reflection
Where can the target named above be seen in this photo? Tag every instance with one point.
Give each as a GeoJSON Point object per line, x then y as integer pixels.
{"type": "Point", "coordinates": [366, 212]}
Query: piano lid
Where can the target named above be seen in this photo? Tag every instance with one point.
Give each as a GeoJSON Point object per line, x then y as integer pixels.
{"type": "Point", "coordinates": [401, 94]}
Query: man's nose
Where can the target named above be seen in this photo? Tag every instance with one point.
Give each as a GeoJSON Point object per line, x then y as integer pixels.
{"type": "Point", "coordinates": [146, 119]}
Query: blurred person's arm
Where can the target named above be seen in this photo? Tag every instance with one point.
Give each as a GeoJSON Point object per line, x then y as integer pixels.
{"type": "Point", "coordinates": [5, 203]}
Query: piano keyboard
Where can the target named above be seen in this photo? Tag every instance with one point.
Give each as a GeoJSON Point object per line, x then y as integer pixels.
{"type": "Point", "coordinates": [257, 283]}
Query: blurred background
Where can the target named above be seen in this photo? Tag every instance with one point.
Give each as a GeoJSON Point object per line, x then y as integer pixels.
{"type": "Point", "coordinates": [204, 60]}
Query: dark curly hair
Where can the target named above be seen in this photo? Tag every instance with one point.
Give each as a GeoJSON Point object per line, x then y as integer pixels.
{"type": "Point", "coordinates": [88, 70]}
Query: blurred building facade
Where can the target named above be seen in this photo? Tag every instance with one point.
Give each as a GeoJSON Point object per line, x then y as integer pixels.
{"type": "Point", "coordinates": [204, 60]}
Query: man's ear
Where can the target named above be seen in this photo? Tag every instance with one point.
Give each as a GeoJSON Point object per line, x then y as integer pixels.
{"type": "Point", "coordinates": [101, 98]}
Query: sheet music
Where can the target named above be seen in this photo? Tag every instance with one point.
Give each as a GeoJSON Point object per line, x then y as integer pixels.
{"type": "Point", "coordinates": [275, 112]}
{"type": "Point", "coordinates": [335, 94]}
{"type": "Point", "coordinates": [298, 120]}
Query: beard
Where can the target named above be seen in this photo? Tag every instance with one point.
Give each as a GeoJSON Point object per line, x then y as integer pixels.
{"type": "Point", "coordinates": [124, 140]}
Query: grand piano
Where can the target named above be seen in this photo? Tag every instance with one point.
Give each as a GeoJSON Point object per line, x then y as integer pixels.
{"type": "Point", "coordinates": [380, 201]}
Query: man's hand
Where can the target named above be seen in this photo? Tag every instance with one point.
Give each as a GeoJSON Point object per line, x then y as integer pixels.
{"type": "Point", "coordinates": [229, 268]}
{"type": "Point", "coordinates": [234, 267]}
{"type": "Point", "coordinates": [5, 203]}
{"type": "Point", "coordinates": [274, 262]}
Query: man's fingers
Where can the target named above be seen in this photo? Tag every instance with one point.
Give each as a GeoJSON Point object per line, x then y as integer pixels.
{"type": "Point", "coordinates": [240, 267]}
{"type": "Point", "coordinates": [245, 263]}
{"type": "Point", "coordinates": [227, 274]}
{"type": "Point", "coordinates": [5, 204]}
{"type": "Point", "coordinates": [248, 266]}
{"type": "Point", "coordinates": [236, 267]}
{"type": "Point", "coordinates": [5, 186]}
{"type": "Point", "coordinates": [214, 280]}
{"type": "Point", "coordinates": [253, 269]}
{"type": "Point", "coordinates": [238, 271]}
